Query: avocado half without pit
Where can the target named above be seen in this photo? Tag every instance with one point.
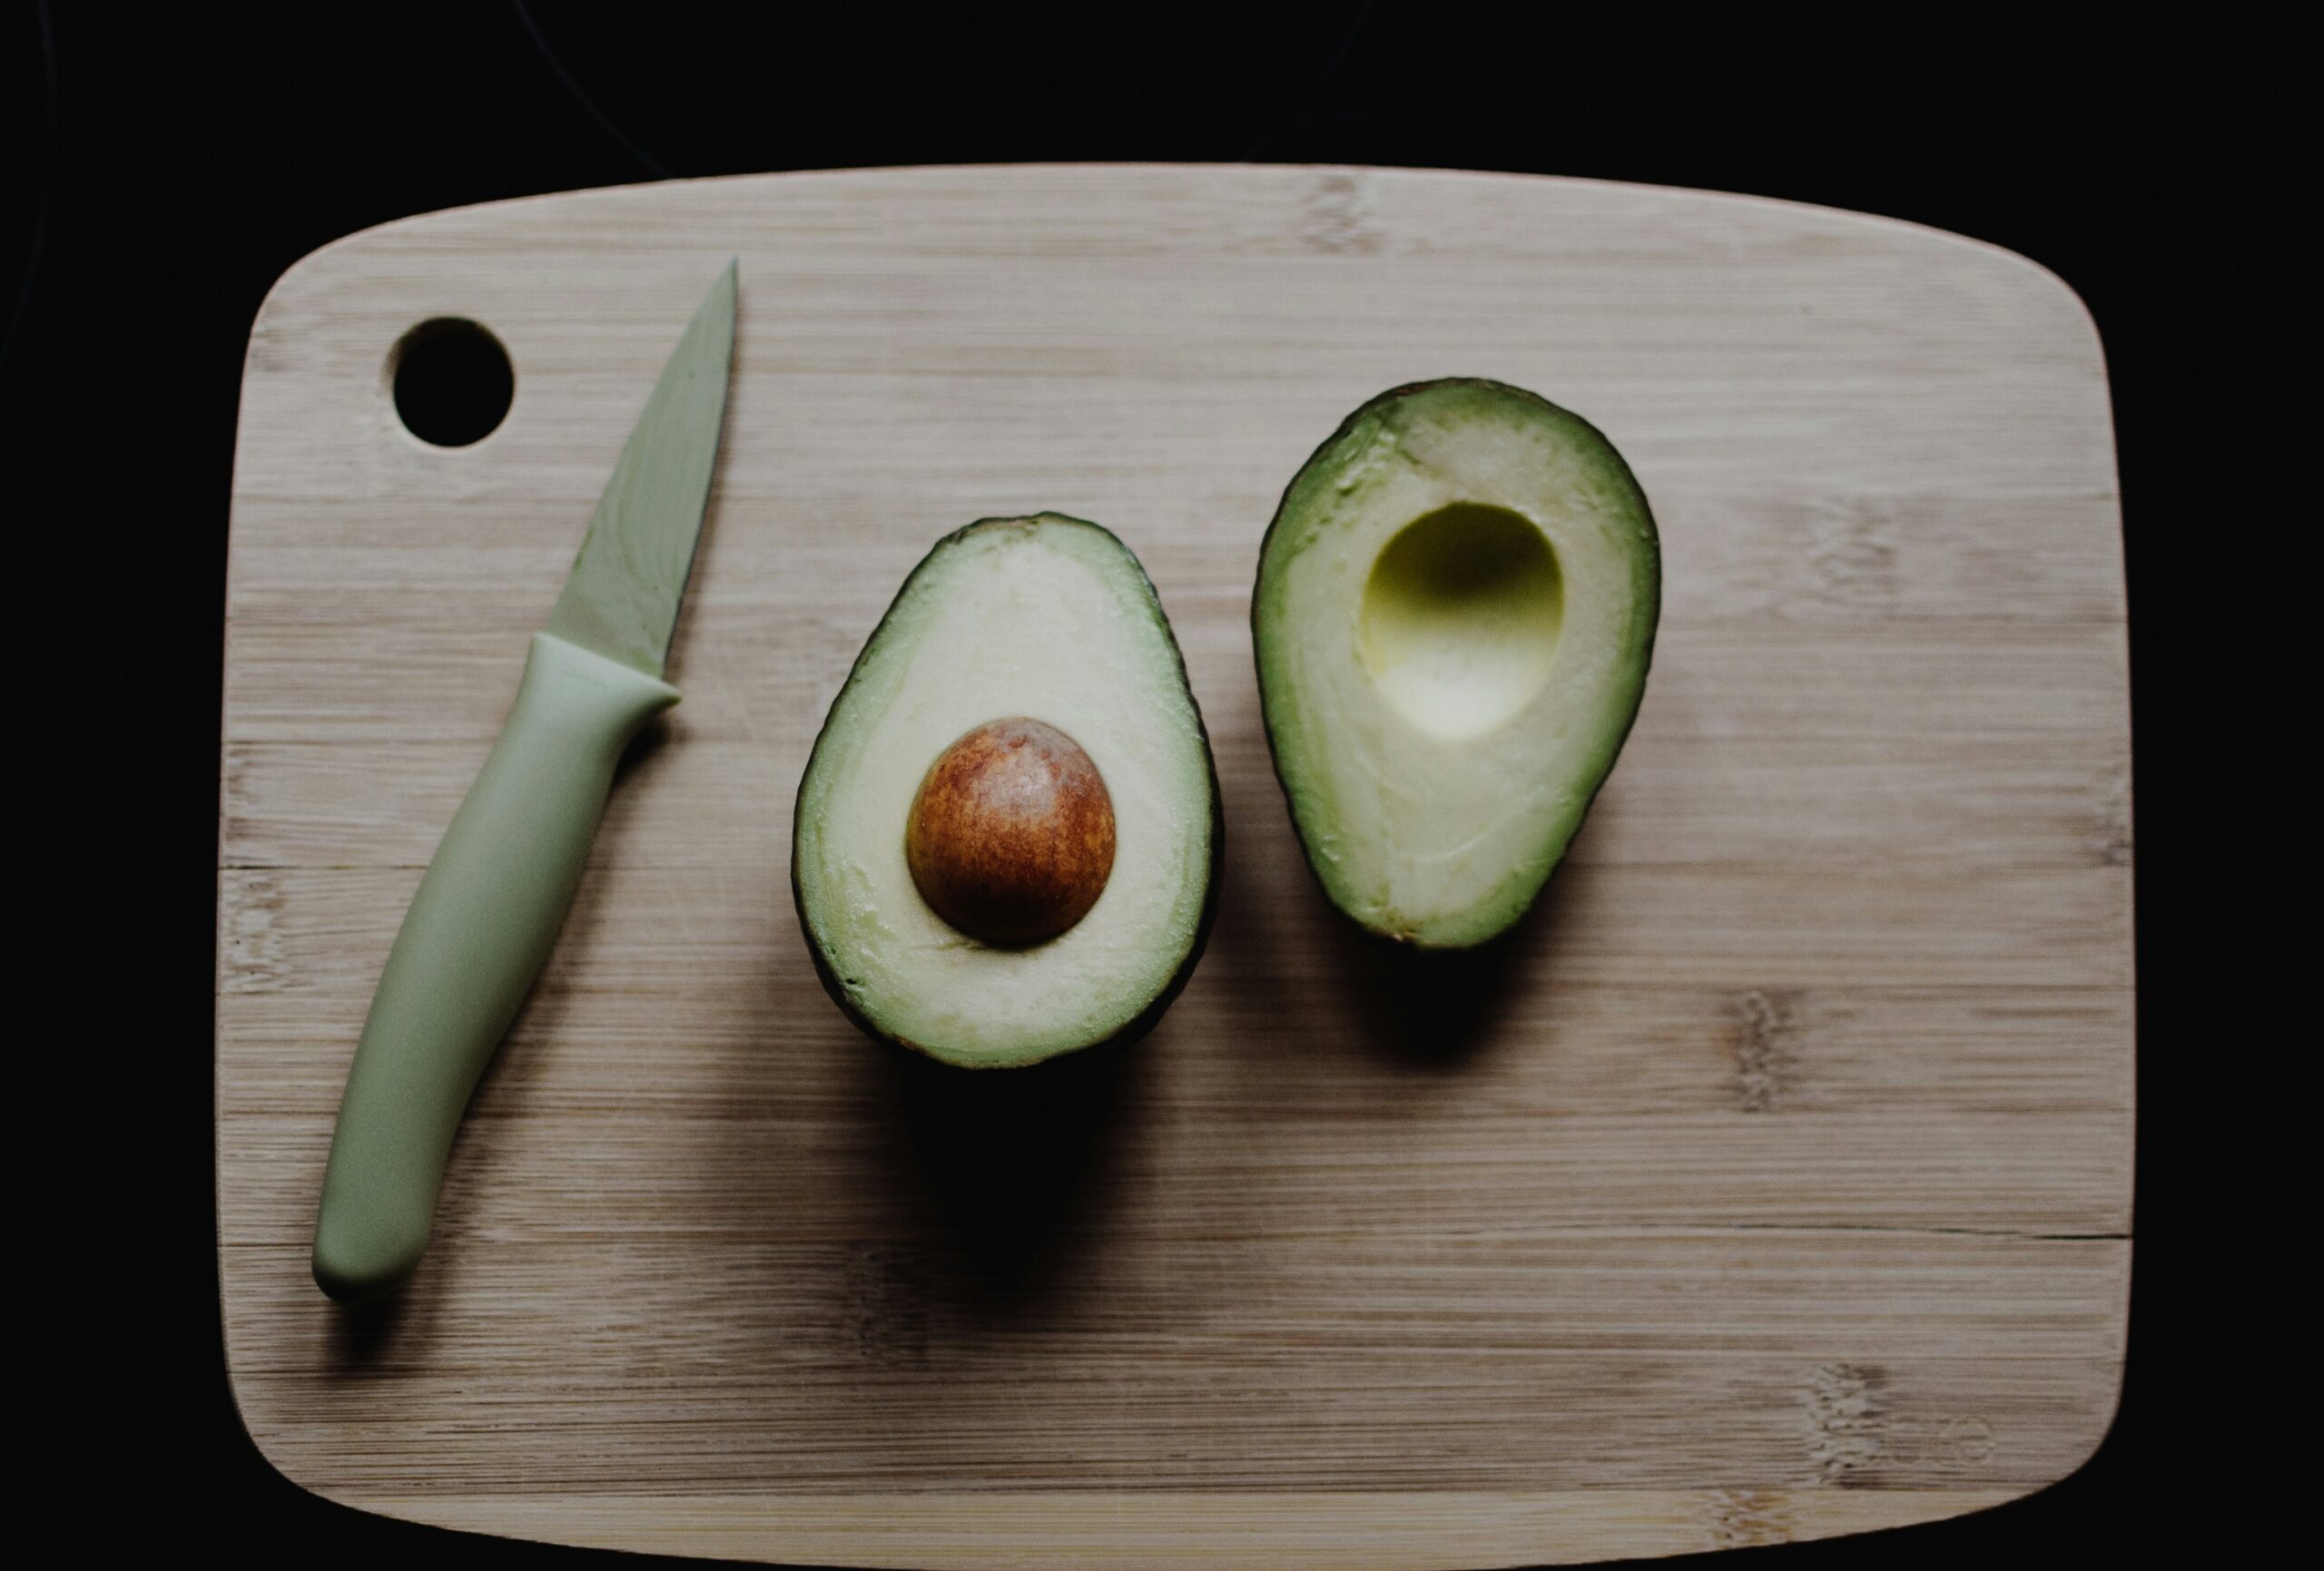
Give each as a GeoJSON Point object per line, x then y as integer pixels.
{"type": "Point", "coordinates": [1454, 618]}
{"type": "Point", "coordinates": [1007, 837]}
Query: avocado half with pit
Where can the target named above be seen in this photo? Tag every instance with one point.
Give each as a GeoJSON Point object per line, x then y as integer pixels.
{"type": "Point", "coordinates": [1454, 618]}
{"type": "Point", "coordinates": [1007, 835]}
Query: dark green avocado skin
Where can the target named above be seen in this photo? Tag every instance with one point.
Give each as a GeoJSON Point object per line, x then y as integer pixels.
{"type": "Point", "coordinates": [1283, 506]}
{"type": "Point", "coordinates": [1145, 1020]}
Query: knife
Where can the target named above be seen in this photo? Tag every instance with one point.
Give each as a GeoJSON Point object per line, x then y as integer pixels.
{"type": "Point", "coordinates": [488, 908]}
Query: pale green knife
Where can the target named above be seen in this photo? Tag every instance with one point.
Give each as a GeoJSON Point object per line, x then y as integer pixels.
{"type": "Point", "coordinates": [488, 908]}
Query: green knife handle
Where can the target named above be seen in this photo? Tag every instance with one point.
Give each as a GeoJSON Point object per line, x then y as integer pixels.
{"type": "Point", "coordinates": [475, 938]}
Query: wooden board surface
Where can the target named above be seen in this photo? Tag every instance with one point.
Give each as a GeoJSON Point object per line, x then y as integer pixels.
{"type": "Point", "coordinates": [1776, 1183]}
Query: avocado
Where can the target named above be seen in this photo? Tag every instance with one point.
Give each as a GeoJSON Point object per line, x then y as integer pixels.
{"type": "Point", "coordinates": [1454, 617]}
{"type": "Point", "coordinates": [1007, 838]}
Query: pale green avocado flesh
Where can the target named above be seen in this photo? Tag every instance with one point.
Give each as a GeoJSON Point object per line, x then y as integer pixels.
{"type": "Point", "coordinates": [1052, 619]}
{"type": "Point", "coordinates": [1455, 614]}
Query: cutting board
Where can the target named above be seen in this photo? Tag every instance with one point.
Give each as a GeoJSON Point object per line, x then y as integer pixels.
{"type": "Point", "coordinates": [1775, 1182]}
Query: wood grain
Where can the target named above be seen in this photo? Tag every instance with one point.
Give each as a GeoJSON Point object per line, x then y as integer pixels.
{"type": "Point", "coordinates": [1775, 1183]}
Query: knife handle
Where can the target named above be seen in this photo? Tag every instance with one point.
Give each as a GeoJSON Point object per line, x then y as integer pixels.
{"type": "Point", "coordinates": [474, 940]}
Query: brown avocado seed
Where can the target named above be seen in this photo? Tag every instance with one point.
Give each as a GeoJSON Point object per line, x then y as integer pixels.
{"type": "Point", "coordinates": [1012, 836]}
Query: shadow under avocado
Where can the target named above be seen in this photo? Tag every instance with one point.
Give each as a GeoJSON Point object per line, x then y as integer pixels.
{"type": "Point", "coordinates": [1437, 1008]}
{"type": "Point", "coordinates": [1017, 1169]}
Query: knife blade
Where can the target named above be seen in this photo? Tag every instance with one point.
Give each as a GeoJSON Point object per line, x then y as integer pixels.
{"type": "Point", "coordinates": [487, 911]}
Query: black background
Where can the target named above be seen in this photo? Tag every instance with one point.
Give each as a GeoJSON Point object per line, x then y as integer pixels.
{"type": "Point", "coordinates": [164, 166]}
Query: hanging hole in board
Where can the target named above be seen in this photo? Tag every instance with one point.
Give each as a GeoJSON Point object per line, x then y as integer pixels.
{"type": "Point", "coordinates": [451, 381]}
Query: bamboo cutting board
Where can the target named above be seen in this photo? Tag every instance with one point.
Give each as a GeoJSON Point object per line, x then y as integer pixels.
{"type": "Point", "coordinates": [1775, 1183]}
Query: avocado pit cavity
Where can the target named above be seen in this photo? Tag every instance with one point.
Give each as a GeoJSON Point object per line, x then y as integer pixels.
{"type": "Point", "coordinates": [1010, 839]}
{"type": "Point", "coordinates": [1459, 619]}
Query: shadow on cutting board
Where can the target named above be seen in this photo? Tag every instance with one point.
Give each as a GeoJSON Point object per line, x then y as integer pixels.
{"type": "Point", "coordinates": [362, 1333]}
{"type": "Point", "coordinates": [1438, 1009]}
{"type": "Point", "coordinates": [1281, 951]}
{"type": "Point", "coordinates": [1018, 1169]}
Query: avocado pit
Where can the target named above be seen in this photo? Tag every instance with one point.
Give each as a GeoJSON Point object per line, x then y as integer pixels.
{"type": "Point", "coordinates": [1011, 837]}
